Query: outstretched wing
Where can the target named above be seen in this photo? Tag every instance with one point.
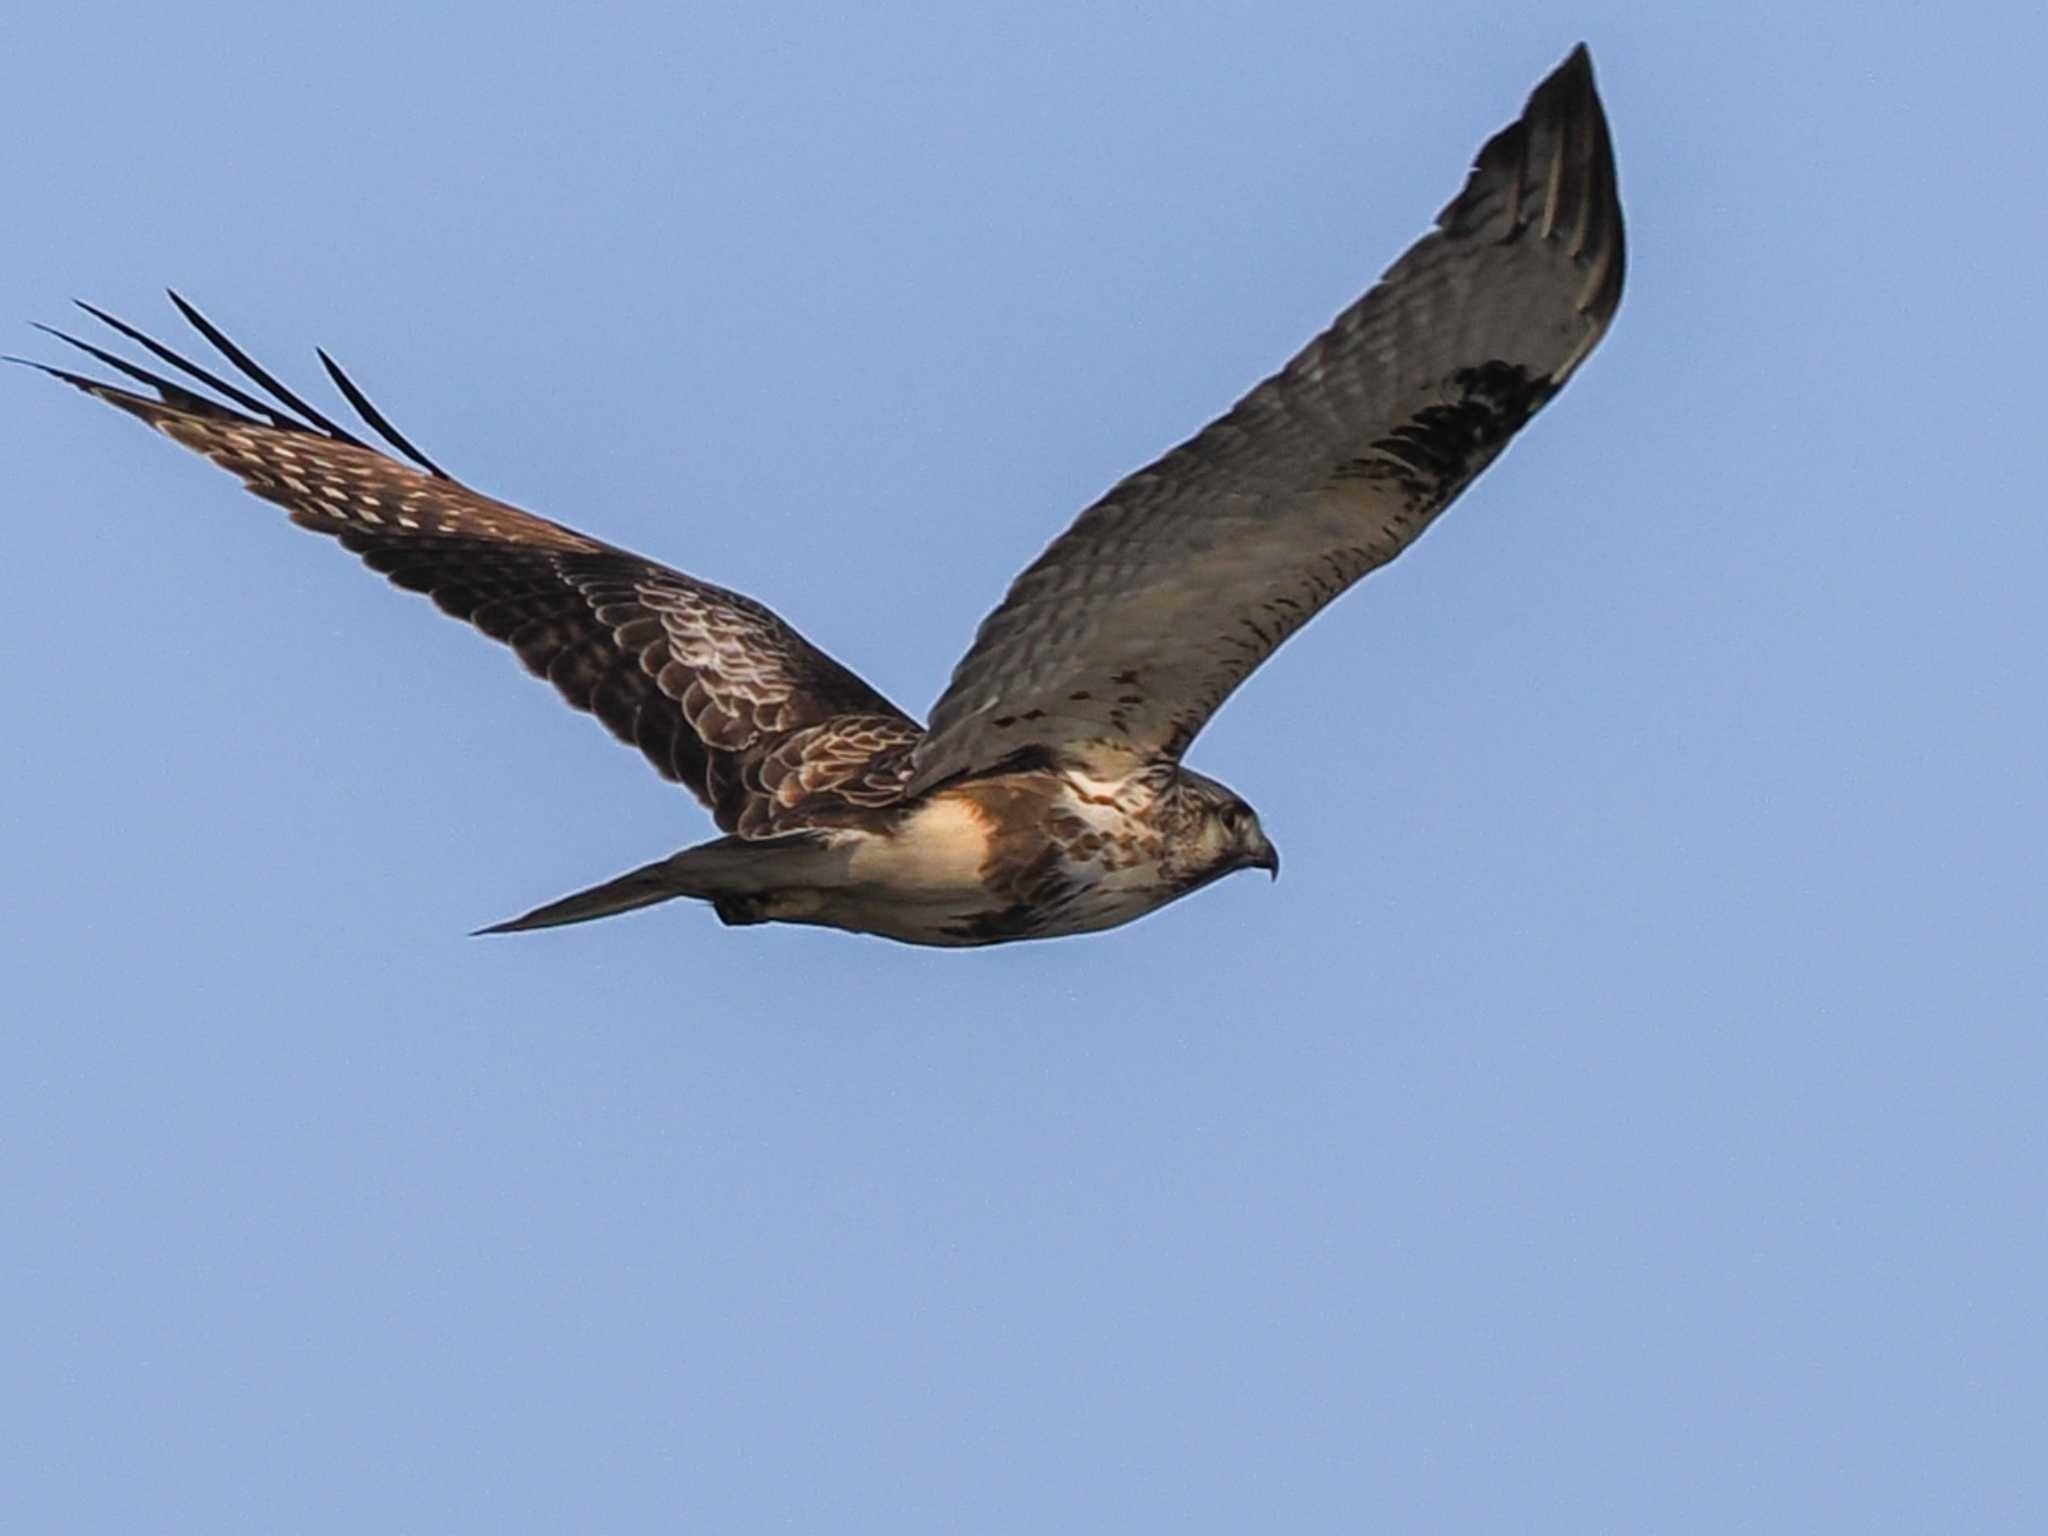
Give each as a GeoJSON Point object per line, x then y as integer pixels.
{"type": "Point", "coordinates": [718, 692]}
{"type": "Point", "coordinates": [1138, 622]}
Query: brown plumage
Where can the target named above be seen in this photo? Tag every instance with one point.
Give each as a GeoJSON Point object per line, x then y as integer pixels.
{"type": "Point", "coordinates": [1048, 796]}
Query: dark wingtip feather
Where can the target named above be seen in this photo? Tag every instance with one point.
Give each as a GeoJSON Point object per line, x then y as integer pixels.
{"type": "Point", "coordinates": [254, 370]}
{"type": "Point", "coordinates": [1552, 170]}
{"type": "Point", "coordinates": [174, 394]}
{"type": "Point", "coordinates": [1590, 215]}
{"type": "Point", "coordinates": [168, 390]}
{"type": "Point", "coordinates": [376, 418]}
{"type": "Point", "coordinates": [140, 406]}
{"type": "Point", "coordinates": [185, 366]}
{"type": "Point", "coordinates": [75, 380]}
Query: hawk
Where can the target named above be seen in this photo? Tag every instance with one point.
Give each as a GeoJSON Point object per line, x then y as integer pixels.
{"type": "Point", "coordinates": [1047, 795]}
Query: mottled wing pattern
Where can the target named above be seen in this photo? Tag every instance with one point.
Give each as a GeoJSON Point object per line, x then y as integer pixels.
{"type": "Point", "coordinates": [1134, 626]}
{"type": "Point", "coordinates": [808, 777]}
{"type": "Point", "coordinates": [713, 688]}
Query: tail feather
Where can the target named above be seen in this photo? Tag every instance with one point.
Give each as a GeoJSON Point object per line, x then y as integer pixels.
{"type": "Point", "coordinates": [729, 868]}
{"type": "Point", "coordinates": [642, 887]}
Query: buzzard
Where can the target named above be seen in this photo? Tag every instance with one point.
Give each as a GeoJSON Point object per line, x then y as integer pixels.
{"type": "Point", "coordinates": [1047, 796]}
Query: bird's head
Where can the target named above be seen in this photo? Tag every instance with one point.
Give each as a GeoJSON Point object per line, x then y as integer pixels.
{"type": "Point", "coordinates": [1225, 831]}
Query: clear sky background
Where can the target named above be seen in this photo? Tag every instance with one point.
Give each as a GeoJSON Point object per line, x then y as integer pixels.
{"type": "Point", "coordinates": [1624, 1115]}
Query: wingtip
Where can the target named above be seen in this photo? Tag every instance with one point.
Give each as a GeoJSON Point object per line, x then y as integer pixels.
{"type": "Point", "coordinates": [78, 381]}
{"type": "Point", "coordinates": [99, 354]}
{"type": "Point", "coordinates": [1561, 151]}
{"type": "Point", "coordinates": [186, 308]}
{"type": "Point", "coordinates": [379, 423]}
{"type": "Point", "coordinates": [1573, 78]}
{"type": "Point", "coordinates": [29, 362]}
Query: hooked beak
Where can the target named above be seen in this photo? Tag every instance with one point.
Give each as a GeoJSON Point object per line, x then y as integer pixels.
{"type": "Point", "coordinates": [1268, 860]}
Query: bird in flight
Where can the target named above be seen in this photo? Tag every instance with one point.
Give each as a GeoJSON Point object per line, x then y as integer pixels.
{"type": "Point", "coordinates": [1047, 796]}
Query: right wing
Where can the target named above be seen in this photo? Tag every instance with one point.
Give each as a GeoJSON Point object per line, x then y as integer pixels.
{"type": "Point", "coordinates": [1119, 642]}
{"type": "Point", "coordinates": [718, 693]}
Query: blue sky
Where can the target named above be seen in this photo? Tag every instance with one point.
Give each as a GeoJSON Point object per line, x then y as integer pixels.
{"type": "Point", "coordinates": [1624, 1115]}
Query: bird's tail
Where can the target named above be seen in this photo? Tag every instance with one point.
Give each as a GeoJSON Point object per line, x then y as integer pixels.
{"type": "Point", "coordinates": [730, 869]}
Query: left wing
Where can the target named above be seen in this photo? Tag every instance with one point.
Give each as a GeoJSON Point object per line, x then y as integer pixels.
{"type": "Point", "coordinates": [716, 691]}
{"type": "Point", "coordinates": [1123, 638]}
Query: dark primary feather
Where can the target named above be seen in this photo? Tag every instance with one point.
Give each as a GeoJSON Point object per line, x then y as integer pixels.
{"type": "Point", "coordinates": [376, 418]}
{"type": "Point", "coordinates": [1122, 639]}
{"type": "Point", "coordinates": [714, 689]}
{"type": "Point", "coordinates": [184, 365]}
{"type": "Point", "coordinates": [248, 365]}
